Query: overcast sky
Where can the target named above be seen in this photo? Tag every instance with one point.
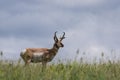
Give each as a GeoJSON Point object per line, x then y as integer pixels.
{"type": "Point", "coordinates": [92, 26]}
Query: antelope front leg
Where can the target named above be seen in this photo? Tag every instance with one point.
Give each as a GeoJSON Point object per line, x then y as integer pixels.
{"type": "Point", "coordinates": [43, 65]}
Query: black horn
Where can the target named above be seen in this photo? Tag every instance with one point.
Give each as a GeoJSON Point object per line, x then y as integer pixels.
{"type": "Point", "coordinates": [55, 37]}
{"type": "Point", "coordinates": [63, 37]}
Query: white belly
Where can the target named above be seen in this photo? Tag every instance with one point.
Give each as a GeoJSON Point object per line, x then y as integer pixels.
{"type": "Point", "coordinates": [37, 57]}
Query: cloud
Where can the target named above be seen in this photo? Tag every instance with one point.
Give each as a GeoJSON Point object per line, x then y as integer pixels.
{"type": "Point", "coordinates": [90, 25]}
{"type": "Point", "coordinates": [73, 3]}
{"type": "Point", "coordinates": [95, 34]}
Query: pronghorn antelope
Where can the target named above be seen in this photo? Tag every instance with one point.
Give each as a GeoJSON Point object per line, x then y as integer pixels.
{"type": "Point", "coordinates": [43, 55]}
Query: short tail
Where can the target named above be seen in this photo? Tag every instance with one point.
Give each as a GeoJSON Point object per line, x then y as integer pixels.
{"type": "Point", "coordinates": [21, 54]}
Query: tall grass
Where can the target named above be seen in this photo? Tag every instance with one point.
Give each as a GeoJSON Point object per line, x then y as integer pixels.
{"type": "Point", "coordinates": [74, 70]}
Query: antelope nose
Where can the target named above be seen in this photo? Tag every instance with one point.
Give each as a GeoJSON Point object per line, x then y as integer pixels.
{"type": "Point", "coordinates": [62, 45]}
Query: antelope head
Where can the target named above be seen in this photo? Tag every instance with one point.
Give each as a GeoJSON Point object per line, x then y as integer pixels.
{"type": "Point", "coordinates": [58, 42]}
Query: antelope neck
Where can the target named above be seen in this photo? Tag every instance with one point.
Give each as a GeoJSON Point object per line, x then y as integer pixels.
{"type": "Point", "coordinates": [54, 49]}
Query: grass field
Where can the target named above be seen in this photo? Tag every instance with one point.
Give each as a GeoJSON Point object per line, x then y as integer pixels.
{"type": "Point", "coordinates": [70, 71]}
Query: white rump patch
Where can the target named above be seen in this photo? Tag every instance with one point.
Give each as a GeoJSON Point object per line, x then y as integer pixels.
{"type": "Point", "coordinates": [23, 51]}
